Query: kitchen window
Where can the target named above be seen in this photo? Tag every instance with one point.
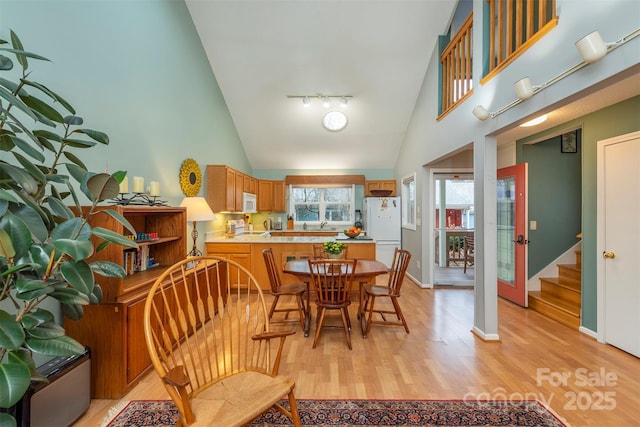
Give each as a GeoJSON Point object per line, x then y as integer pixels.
{"type": "Point", "coordinates": [315, 205]}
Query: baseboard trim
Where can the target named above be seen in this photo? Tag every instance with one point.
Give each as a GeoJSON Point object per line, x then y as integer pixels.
{"type": "Point", "coordinates": [588, 332]}
{"type": "Point", "coordinates": [488, 338]}
{"type": "Point", "coordinates": [418, 283]}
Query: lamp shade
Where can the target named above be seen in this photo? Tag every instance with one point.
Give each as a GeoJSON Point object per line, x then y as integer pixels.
{"type": "Point", "coordinates": [481, 113]}
{"type": "Point", "coordinates": [523, 88]}
{"type": "Point", "coordinates": [591, 47]}
{"type": "Point", "coordinates": [197, 209]}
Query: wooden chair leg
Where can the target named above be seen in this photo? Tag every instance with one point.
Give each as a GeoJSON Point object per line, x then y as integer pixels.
{"type": "Point", "coordinates": [347, 325]}
{"type": "Point", "coordinates": [301, 310]}
{"type": "Point", "coordinates": [294, 410]}
{"type": "Point", "coordinates": [399, 313]}
{"type": "Point", "coordinates": [319, 321]}
{"type": "Point", "coordinates": [372, 301]}
{"type": "Point", "coordinates": [273, 305]}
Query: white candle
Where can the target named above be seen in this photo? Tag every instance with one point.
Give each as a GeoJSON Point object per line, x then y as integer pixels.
{"type": "Point", "coordinates": [138, 184]}
{"type": "Point", "coordinates": [124, 186]}
{"type": "Point", "coordinates": [154, 189]}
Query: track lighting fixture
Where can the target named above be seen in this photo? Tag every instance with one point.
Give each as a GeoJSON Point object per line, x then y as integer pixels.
{"type": "Point", "coordinates": [592, 49]}
{"type": "Point", "coordinates": [326, 99]}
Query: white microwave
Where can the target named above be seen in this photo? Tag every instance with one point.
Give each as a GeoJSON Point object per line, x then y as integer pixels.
{"type": "Point", "coordinates": [249, 204]}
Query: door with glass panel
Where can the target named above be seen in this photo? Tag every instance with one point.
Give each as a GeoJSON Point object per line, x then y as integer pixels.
{"type": "Point", "coordinates": [512, 233]}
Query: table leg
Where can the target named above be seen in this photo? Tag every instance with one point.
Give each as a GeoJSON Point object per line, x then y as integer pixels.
{"type": "Point", "coordinates": [307, 317]}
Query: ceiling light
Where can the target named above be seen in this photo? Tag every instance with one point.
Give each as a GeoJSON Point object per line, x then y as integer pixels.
{"type": "Point", "coordinates": [334, 121]}
{"type": "Point", "coordinates": [591, 47]}
{"type": "Point", "coordinates": [325, 102]}
{"type": "Point", "coordinates": [481, 113]}
{"type": "Point", "coordinates": [535, 121]}
{"type": "Point", "coordinates": [306, 101]}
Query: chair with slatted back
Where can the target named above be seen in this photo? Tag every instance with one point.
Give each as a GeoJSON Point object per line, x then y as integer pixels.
{"type": "Point", "coordinates": [208, 334]}
{"type": "Point", "coordinates": [469, 252]}
{"type": "Point", "coordinates": [278, 290]}
{"type": "Point", "coordinates": [332, 280]}
{"type": "Point", "coordinates": [371, 291]}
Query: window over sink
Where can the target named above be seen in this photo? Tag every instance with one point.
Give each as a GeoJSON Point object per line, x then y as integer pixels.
{"type": "Point", "coordinates": [323, 205]}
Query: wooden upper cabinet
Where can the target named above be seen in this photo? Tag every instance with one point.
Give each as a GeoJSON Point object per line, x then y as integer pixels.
{"type": "Point", "coordinates": [271, 195]}
{"type": "Point", "coordinates": [386, 184]}
{"type": "Point", "coordinates": [225, 186]}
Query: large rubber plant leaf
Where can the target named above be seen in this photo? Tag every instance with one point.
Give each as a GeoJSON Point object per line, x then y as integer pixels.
{"type": "Point", "coordinates": [13, 87]}
{"type": "Point", "coordinates": [43, 108]}
{"type": "Point", "coordinates": [59, 208]}
{"type": "Point", "coordinates": [6, 246]}
{"type": "Point", "coordinates": [6, 143]}
{"type": "Point", "coordinates": [11, 332]}
{"type": "Point", "coordinates": [73, 121]}
{"type": "Point", "coordinates": [19, 233]}
{"type": "Point", "coordinates": [6, 64]}
{"type": "Point", "coordinates": [51, 136]}
{"type": "Point", "coordinates": [78, 143]}
{"type": "Point", "coordinates": [46, 331]}
{"type": "Point", "coordinates": [74, 228]}
{"type": "Point", "coordinates": [72, 311]}
{"type": "Point", "coordinates": [28, 149]}
{"type": "Point", "coordinates": [120, 218]}
{"type": "Point", "coordinates": [108, 269]}
{"type": "Point", "coordinates": [59, 346]}
{"type": "Point", "coordinates": [28, 289]}
{"type": "Point", "coordinates": [30, 167]}
{"type": "Point", "coordinates": [33, 220]}
{"type": "Point", "coordinates": [78, 173]}
{"type": "Point", "coordinates": [52, 94]}
{"type": "Point", "coordinates": [79, 275]}
{"type": "Point", "coordinates": [17, 102]}
{"type": "Point", "coordinates": [5, 195]}
{"type": "Point", "coordinates": [103, 186]}
{"type": "Point", "coordinates": [36, 318]}
{"type": "Point", "coordinates": [75, 159]}
{"type": "Point", "coordinates": [114, 237]}
{"type": "Point", "coordinates": [76, 249]}
{"type": "Point", "coordinates": [21, 177]}
{"type": "Point", "coordinates": [15, 378]}
{"type": "Point", "coordinates": [101, 137]}
{"type": "Point", "coordinates": [69, 296]}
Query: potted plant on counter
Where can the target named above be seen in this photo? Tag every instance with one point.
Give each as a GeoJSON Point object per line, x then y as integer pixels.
{"type": "Point", "coordinates": [44, 243]}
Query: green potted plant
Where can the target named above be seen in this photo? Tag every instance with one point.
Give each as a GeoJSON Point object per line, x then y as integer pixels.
{"type": "Point", "coordinates": [333, 248]}
{"type": "Point", "coordinates": [45, 239]}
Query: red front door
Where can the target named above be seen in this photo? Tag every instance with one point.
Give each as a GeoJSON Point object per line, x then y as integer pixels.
{"type": "Point", "coordinates": [512, 233]}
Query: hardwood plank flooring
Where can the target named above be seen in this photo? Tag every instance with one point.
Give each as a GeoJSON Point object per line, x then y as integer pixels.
{"type": "Point", "coordinates": [583, 381]}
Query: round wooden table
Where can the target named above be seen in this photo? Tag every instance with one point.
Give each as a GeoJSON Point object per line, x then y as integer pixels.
{"type": "Point", "coordinates": [366, 271]}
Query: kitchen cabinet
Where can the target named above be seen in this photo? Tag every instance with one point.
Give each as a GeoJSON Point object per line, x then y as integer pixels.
{"type": "Point", "coordinates": [271, 195]}
{"type": "Point", "coordinates": [238, 252]}
{"type": "Point", "coordinates": [225, 186]}
{"type": "Point", "coordinates": [113, 329]}
{"type": "Point", "coordinates": [389, 184]}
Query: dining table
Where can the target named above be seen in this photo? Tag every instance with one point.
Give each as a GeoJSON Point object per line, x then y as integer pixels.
{"type": "Point", "coordinates": [366, 271]}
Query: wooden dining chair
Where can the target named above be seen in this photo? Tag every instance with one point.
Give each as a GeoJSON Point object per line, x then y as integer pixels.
{"type": "Point", "coordinates": [332, 280]}
{"type": "Point", "coordinates": [278, 290]}
{"type": "Point", "coordinates": [371, 291]}
{"type": "Point", "coordinates": [469, 252]}
{"type": "Point", "coordinates": [209, 340]}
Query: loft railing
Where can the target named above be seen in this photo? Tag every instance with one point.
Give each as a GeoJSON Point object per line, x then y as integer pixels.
{"type": "Point", "coordinates": [456, 67]}
{"type": "Point", "coordinates": [512, 26]}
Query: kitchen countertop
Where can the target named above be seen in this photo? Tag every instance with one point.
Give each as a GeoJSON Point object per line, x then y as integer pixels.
{"type": "Point", "coordinates": [258, 238]}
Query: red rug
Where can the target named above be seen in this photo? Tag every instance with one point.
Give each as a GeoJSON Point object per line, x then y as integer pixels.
{"type": "Point", "coordinates": [159, 413]}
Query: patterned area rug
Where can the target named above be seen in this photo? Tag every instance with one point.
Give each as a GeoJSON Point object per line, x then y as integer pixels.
{"type": "Point", "coordinates": [345, 413]}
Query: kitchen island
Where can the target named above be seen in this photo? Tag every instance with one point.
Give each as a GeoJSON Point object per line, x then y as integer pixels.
{"type": "Point", "coordinates": [247, 251]}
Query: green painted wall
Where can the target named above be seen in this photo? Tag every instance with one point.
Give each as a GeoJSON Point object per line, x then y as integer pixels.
{"type": "Point", "coordinates": [618, 119]}
{"type": "Point", "coordinates": [555, 199]}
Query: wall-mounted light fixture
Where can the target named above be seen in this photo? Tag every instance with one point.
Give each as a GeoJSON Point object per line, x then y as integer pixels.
{"type": "Point", "coordinates": [326, 99]}
{"type": "Point", "coordinates": [591, 47]}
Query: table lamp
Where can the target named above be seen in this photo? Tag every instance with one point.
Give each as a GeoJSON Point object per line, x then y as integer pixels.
{"type": "Point", "coordinates": [197, 210]}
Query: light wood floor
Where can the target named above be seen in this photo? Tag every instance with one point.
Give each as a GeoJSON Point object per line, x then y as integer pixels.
{"type": "Point", "coordinates": [584, 382]}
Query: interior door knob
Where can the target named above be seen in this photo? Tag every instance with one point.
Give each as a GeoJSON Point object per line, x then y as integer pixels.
{"type": "Point", "coordinates": [608, 254]}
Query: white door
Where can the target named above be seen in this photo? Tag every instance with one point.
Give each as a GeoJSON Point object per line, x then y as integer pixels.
{"type": "Point", "coordinates": [619, 242]}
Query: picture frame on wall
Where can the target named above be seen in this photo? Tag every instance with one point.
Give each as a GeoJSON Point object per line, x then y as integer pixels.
{"type": "Point", "coordinates": [569, 142]}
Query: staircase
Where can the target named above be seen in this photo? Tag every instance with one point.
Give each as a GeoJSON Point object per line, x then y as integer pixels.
{"type": "Point", "coordinates": [559, 297]}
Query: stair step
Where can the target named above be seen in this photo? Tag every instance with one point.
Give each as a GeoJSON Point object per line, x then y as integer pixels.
{"type": "Point", "coordinates": [554, 308]}
{"type": "Point", "coordinates": [579, 258]}
{"type": "Point", "coordinates": [569, 273]}
{"type": "Point", "coordinates": [553, 287]}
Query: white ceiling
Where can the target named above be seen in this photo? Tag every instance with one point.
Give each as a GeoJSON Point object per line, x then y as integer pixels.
{"type": "Point", "coordinates": [376, 51]}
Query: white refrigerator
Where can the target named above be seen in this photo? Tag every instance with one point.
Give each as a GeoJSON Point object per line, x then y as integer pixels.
{"type": "Point", "coordinates": [383, 223]}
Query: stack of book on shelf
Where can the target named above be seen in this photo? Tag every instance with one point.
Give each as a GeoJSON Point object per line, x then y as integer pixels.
{"type": "Point", "coordinates": [136, 260]}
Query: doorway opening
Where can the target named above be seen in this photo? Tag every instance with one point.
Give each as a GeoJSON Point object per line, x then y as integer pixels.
{"type": "Point", "coordinates": [454, 229]}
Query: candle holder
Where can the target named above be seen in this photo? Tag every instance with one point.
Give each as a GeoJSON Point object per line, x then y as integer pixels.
{"type": "Point", "coordinates": [138, 199]}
